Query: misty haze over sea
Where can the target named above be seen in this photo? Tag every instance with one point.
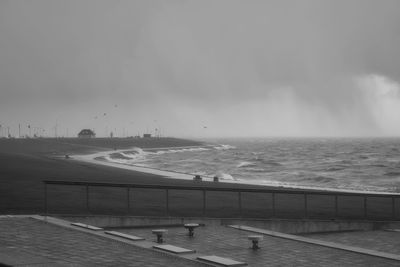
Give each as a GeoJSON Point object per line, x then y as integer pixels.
{"type": "Point", "coordinates": [366, 164]}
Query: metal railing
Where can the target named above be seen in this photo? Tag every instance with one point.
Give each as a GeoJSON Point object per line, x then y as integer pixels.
{"type": "Point", "coordinates": [303, 204]}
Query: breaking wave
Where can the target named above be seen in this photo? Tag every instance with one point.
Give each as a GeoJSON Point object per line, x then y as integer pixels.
{"type": "Point", "coordinates": [224, 176]}
{"type": "Point", "coordinates": [244, 164]}
{"type": "Point", "coordinates": [197, 149]}
{"type": "Point", "coordinates": [356, 164]}
{"type": "Point", "coordinates": [224, 147]}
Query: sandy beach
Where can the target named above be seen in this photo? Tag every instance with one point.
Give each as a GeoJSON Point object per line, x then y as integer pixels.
{"type": "Point", "coordinates": [26, 163]}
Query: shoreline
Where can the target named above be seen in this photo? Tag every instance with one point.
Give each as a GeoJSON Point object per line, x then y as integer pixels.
{"type": "Point", "coordinates": [25, 164]}
{"type": "Point", "coordinates": [91, 158]}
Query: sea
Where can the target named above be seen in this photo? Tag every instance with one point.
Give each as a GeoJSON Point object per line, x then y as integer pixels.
{"type": "Point", "coordinates": [359, 164]}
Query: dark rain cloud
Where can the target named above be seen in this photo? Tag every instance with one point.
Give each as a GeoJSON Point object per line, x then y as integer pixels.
{"type": "Point", "coordinates": [201, 58]}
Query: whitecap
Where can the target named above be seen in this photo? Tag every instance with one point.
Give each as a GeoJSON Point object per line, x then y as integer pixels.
{"type": "Point", "coordinates": [196, 149]}
{"type": "Point", "coordinates": [224, 147]}
{"type": "Point", "coordinates": [224, 176]}
{"type": "Point", "coordinates": [245, 164]}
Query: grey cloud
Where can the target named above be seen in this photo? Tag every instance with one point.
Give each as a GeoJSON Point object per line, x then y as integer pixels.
{"type": "Point", "coordinates": [203, 56]}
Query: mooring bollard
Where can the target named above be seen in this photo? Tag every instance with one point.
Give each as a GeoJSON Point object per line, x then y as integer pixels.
{"type": "Point", "coordinates": [254, 239]}
{"type": "Point", "coordinates": [159, 233]}
{"type": "Point", "coordinates": [191, 227]}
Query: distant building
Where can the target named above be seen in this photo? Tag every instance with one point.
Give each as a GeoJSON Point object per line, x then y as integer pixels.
{"type": "Point", "coordinates": [86, 133]}
{"type": "Point", "coordinates": [146, 135]}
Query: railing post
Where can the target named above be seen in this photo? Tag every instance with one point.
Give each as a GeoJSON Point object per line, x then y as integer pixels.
{"type": "Point", "coordinates": [204, 202]}
{"type": "Point", "coordinates": [336, 207]}
{"type": "Point", "coordinates": [45, 200]}
{"type": "Point", "coordinates": [393, 208]}
{"type": "Point", "coordinates": [365, 207]}
{"type": "Point", "coordinates": [273, 204]}
{"type": "Point", "coordinates": [167, 201]}
{"type": "Point", "coordinates": [87, 198]}
{"type": "Point", "coordinates": [128, 199]}
{"type": "Point", "coordinates": [240, 203]}
{"type": "Point", "coordinates": [305, 206]}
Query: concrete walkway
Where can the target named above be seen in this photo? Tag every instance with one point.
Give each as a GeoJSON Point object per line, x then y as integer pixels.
{"type": "Point", "coordinates": [318, 242]}
{"type": "Point", "coordinates": [29, 242]}
{"type": "Point", "coordinates": [40, 241]}
{"type": "Point", "coordinates": [275, 251]}
{"type": "Point", "coordinates": [379, 240]}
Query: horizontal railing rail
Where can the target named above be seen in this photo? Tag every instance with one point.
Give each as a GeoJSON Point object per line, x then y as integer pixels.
{"type": "Point", "coordinates": [226, 189]}
{"type": "Point", "coordinates": [391, 212]}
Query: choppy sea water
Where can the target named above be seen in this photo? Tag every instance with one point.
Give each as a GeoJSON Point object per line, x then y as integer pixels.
{"type": "Point", "coordinates": [367, 164]}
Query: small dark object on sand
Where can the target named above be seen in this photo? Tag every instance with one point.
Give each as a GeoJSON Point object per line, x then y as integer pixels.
{"type": "Point", "coordinates": [67, 156]}
{"type": "Point", "coordinates": [197, 178]}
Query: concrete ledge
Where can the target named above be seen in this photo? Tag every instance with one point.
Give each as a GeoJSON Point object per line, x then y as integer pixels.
{"type": "Point", "coordinates": [130, 237]}
{"type": "Point", "coordinates": [221, 261]}
{"type": "Point", "coordinates": [392, 230]}
{"type": "Point", "coordinates": [174, 249]}
{"type": "Point", "coordinates": [312, 225]}
{"type": "Point", "coordinates": [319, 242]}
{"type": "Point", "coordinates": [279, 225]}
{"type": "Point", "coordinates": [87, 226]}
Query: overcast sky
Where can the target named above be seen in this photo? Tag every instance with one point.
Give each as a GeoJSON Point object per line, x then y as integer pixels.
{"type": "Point", "coordinates": [201, 68]}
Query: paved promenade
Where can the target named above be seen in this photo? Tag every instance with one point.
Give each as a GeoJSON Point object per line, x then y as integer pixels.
{"type": "Point", "coordinates": [232, 243]}
{"type": "Point", "coordinates": [29, 242]}
{"type": "Point", "coordinates": [26, 241]}
{"type": "Point", "coordinates": [380, 240]}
